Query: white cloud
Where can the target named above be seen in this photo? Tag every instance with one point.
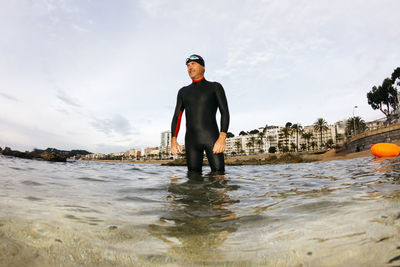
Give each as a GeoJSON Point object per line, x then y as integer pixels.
{"type": "Point", "coordinates": [104, 76]}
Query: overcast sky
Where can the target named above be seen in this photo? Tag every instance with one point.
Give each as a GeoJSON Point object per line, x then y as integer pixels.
{"type": "Point", "coordinates": [103, 75]}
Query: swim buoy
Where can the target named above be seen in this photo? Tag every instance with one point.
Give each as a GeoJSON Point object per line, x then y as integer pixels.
{"type": "Point", "coordinates": [385, 150]}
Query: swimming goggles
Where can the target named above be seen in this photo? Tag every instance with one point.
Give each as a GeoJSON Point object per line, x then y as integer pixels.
{"type": "Point", "coordinates": [192, 58]}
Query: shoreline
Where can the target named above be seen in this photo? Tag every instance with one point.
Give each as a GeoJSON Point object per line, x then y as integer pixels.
{"type": "Point", "coordinates": [329, 155]}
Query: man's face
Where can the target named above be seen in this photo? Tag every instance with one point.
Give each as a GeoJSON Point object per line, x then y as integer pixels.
{"type": "Point", "coordinates": [195, 70]}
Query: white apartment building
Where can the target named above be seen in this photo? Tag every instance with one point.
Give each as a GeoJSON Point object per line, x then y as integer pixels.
{"type": "Point", "coordinates": [165, 144]}
{"type": "Point", "coordinates": [274, 137]}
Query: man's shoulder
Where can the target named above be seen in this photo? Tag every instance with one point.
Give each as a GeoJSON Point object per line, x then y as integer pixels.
{"type": "Point", "coordinates": [216, 85]}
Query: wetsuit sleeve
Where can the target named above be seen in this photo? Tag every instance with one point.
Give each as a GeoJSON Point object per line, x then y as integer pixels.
{"type": "Point", "coordinates": [223, 108]}
{"type": "Point", "coordinates": [176, 120]}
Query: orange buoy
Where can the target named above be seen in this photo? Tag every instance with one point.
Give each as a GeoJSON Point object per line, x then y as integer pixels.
{"type": "Point", "coordinates": [385, 150]}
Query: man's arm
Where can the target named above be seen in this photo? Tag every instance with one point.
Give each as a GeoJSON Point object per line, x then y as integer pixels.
{"type": "Point", "coordinates": [220, 144]}
{"type": "Point", "coordinates": [176, 123]}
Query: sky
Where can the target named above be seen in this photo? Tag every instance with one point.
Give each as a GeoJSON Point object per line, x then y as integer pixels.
{"type": "Point", "coordinates": [103, 75]}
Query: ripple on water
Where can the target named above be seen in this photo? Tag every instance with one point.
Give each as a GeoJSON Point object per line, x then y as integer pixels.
{"type": "Point", "coordinates": [31, 183]}
{"type": "Point", "coordinates": [90, 179]}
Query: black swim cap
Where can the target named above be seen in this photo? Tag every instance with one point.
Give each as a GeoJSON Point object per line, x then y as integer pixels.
{"type": "Point", "coordinates": [195, 58]}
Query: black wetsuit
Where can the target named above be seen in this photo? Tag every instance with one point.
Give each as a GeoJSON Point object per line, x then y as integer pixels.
{"type": "Point", "coordinates": [201, 100]}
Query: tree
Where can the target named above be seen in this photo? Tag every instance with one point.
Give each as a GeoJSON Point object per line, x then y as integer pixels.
{"type": "Point", "coordinates": [272, 149]}
{"type": "Point", "coordinates": [313, 144]}
{"type": "Point", "coordinates": [297, 128]}
{"type": "Point", "coordinates": [229, 135]}
{"type": "Point", "coordinates": [249, 145]}
{"type": "Point", "coordinates": [238, 145]}
{"type": "Point", "coordinates": [385, 95]}
{"type": "Point", "coordinates": [321, 125]}
{"type": "Point", "coordinates": [355, 125]}
{"type": "Point", "coordinates": [307, 137]}
{"type": "Point", "coordinates": [253, 142]}
{"type": "Point", "coordinates": [255, 131]}
{"type": "Point", "coordinates": [396, 76]}
{"type": "Point", "coordinates": [303, 146]}
{"type": "Point", "coordinates": [260, 142]}
{"type": "Point", "coordinates": [286, 132]}
{"type": "Point", "coordinates": [329, 143]}
{"type": "Point", "coordinates": [293, 147]}
{"type": "Point", "coordinates": [243, 133]}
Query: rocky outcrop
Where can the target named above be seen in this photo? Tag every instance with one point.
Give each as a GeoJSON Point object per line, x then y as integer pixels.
{"type": "Point", "coordinates": [48, 156]}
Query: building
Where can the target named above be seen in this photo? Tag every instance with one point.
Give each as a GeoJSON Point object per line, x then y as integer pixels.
{"type": "Point", "coordinates": [165, 145]}
{"type": "Point", "coordinates": [152, 152]}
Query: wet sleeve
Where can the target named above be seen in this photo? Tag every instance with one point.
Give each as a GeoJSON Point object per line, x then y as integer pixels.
{"type": "Point", "coordinates": [223, 108]}
{"type": "Point", "coordinates": [176, 119]}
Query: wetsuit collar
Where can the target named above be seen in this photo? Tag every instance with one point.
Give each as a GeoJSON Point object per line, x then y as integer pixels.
{"type": "Point", "coordinates": [199, 80]}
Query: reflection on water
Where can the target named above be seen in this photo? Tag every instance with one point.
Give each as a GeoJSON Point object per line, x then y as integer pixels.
{"type": "Point", "coordinates": [340, 213]}
{"type": "Point", "coordinates": [198, 219]}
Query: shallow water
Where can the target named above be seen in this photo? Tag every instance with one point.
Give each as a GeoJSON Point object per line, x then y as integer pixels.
{"type": "Point", "coordinates": [89, 213]}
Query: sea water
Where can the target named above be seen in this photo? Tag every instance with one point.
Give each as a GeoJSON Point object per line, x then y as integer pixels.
{"type": "Point", "coordinates": [337, 213]}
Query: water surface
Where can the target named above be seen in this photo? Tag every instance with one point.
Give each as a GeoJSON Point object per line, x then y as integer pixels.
{"type": "Point", "coordinates": [89, 213]}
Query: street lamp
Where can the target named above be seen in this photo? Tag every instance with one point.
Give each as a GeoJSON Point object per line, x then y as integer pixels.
{"type": "Point", "coordinates": [354, 121]}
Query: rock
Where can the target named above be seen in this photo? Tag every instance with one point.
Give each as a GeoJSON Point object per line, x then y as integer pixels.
{"type": "Point", "coordinates": [53, 157]}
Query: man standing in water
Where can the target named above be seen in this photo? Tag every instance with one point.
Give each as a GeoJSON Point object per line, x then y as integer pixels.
{"type": "Point", "coordinates": [201, 99]}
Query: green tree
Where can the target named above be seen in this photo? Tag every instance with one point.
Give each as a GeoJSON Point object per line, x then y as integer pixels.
{"type": "Point", "coordinates": [313, 144]}
{"type": "Point", "coordinates": [355, 125]}
{"type": "Point", "coordinates": [307, 137]}
{"type": "Point", "coordinates": [384, 95]}
{"type": "Point", "coordinates": [255, 131]}
{"type": "Point", "coordinates": [260, 141]}
{"type": "Point", "coordinates": [238, 145]}
{"type": "Point", "coordinates": [229, 135]}
{"type": "Point", "coordinates": [303, 146]}
{"type": "Point", "coordinates": [260, 144]}
{"type": "Point", "coordinates": [297, 129]}
{"type": "Point", "coordinates": [280, 146]}
{"type": "Point", "coordinates": [321, 126]}
{"type": "Point", "coordinates": [249, 146]}
{"type": "Point", "coordinates": [293, 147]}
{"type": "Point", "coordinates": [396, 76]}
{"type": "Point", "coordinates": [286, 132]}
{"type": "Point", "coordinates": [242, 133]}
{"type": "Point", "coordinates": [272, 149]}
{"type": "Point", "coordinates": [329, 143]}
{"type": "Point", "coordinates": [253, 142]}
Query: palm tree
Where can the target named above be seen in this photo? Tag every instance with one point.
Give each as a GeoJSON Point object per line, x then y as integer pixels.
{"type": "Point", "coordinates": [286, 132]}
{"type": "Point", "coordinates": [253, 142]}
{"type": "Point", "coordinates": [313, 144]}
{"type": "Point", "coordinates": [249, 145]}
{"type": "Point", "coordinates": [293, 147]}
{"type": "Point", "coordinates": [238, 145]}
{"type": "Point", "coordinates": [307, 137]}
{"type": "Point", "coordinates": [321, 125]}
{"type": "Point", "coordinates": [260, 142]}
{"type": "Point", "coordinates": [355, 125]}
{"type": "Point", "coordinates": [303, 146]}
{"type": "Point", "coordinates": [297, 128]}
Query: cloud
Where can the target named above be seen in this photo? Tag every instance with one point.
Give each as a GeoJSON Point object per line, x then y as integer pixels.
{"type": "Point", "coordinates": [67, 99]}
{"type": "Point", "coordinates": [8, 97]}
{"type": "Point", "coordinates": [117, 124]}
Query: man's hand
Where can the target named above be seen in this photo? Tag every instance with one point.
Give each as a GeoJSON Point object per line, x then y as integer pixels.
{"type": "Point", "coordinates": [219, 146]}
{"type": "Point", "coordinates": [175, 147]}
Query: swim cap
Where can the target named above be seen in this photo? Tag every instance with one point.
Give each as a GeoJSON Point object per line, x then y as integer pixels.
{"type": "Point", "coordinates": [195, 58]}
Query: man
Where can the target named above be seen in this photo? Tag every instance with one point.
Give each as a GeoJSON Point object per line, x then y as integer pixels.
{"type": "Point", "coordinates": [200, 100]}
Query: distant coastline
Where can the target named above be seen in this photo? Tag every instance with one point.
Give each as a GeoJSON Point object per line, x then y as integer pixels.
{"type": "Point", "coordinates": [304, 157]}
